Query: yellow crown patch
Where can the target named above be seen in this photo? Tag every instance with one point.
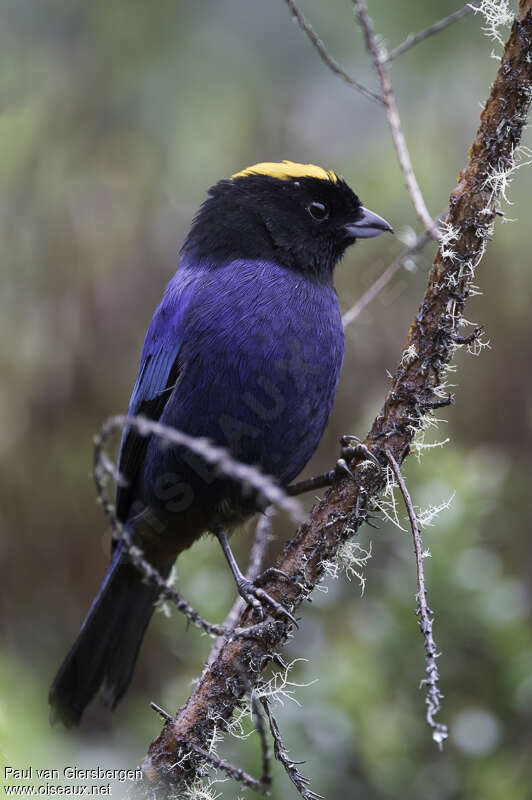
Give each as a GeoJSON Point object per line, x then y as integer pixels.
{"type": "Point", "coordinates": [284, 170]}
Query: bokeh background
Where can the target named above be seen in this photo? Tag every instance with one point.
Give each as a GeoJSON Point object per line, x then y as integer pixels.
{"type": "Point", "coordinates": [115, 119]}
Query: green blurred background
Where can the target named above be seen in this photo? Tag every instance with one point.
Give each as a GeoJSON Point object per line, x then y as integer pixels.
{"type": "Point", "coordinates": [115, 118]}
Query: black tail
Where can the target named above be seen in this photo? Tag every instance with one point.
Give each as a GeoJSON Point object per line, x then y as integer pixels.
{"type": "Point", "coordinates": [104, 654]}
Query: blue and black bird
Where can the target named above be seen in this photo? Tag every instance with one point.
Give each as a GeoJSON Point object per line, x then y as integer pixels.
{"type": "Point", "coordinates": [245, 348]}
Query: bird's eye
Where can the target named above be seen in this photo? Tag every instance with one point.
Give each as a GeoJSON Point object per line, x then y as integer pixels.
{"type": "Point", "coordinates": [318, 211]}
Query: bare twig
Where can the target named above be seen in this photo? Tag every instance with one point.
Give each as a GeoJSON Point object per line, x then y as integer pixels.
{"type": "Point", "coordinates": [232, 771]}
{"type": "Point", "coordinates": [266, 777]}
{"type": "Point", "coordinates": [417, 379]}
{"type": "Point", "coordinates": [413, 39]}
{"type": "Point", "coordinates": [218, 456]}
{"type": "Point", "coordinates": [263, 534]}
{"type": "Point", "coordinates": [166, 592]}
{"type": "Point", "coordinates": [103, 466]}
{"type": "Point", "coordinates": [439, 730]}
{"type": "Point", "coordinates": [260, 785]}
{"type": "Point", "coordinates": [300, 781]}
{"type": "Point", "coordinates": [383, 279]}
{"type": "Point", "coordinates": [161, 711]}
{"type": "Point", "coordinates": [307, 28]}
{"type": "Point", "coordinates": [388, 99]}
{"type": "Point", "coordinates": [403, 156]}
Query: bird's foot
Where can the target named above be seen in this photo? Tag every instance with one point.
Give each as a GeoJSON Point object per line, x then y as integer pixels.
{"type": "Point", "coordinates": [270, 572]}
{"type": "Point", "coordinates": [257, 598]}
{"type": "Point", "coordinates": [353, 448]}
{"type": "Point", "coordinates": [340, 470]}
{"type": "Point", "coordinates": [254, 596]}
{"type": "Point", "coordinates": [278, 573]}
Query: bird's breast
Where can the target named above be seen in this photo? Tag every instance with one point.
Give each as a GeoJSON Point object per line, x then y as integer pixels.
{"type": "Point", "coordinates": [261, 358]}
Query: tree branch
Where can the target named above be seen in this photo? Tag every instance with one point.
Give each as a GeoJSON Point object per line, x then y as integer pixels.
{"type": "Point", "coordinates": [103, 466]}
{"type": "Point", "coordinates": [281, 754]}
{"type": "Point", "coordinates": [383, 279]}
{"type": "Point", "coordinates": [439, 730]}
{"type": "Point", "coordinates": [418, 378]}
{"type": "Point", "coordinates": [414, 39]}
{"type": "Point", "coordinates": [394, 121]}
{"type": "Point", "coordinates": [307, 28]}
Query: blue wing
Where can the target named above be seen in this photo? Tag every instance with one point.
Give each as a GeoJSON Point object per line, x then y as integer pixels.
{"type": "Point", "coordinates": [157, 376]}
{"type": "Point", "coordinates": [158, 373]}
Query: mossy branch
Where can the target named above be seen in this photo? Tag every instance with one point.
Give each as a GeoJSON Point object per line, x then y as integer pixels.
{"type": "Point", "coordinates": [415, 389]}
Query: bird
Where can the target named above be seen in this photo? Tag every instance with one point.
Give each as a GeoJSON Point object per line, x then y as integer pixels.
{"type": "Point", "coordinates": [245, 350]}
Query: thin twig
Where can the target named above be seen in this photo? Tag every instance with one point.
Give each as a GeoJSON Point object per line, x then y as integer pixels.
{"type": "Point", "coordinates": [263, 534]}
{"type": "Point", "coordinates": [300, 781]}
{"type": "Point", "coordinates": [413, 39]}
{"type": "Point", "coordinates": [236, 773]}
{"type": "Point", "coordinates": [261, 785]}
{"type": "Point", "coordinates": [257, 713]}
{"type": "Point", "coordinates": [403, 156]}
{"type": "Point", "coordinates": [120, 533]}
{"type": "Point", "coordinates": [383, 279]}
{"type": "Point", "coordinates": [161, 711]}
{"type": "Point", "coordinates": [439, 730]}
{"type": "Point", "coordinates": [103, 466]}
{"type": "Point", "coordinates": [266, 777]}
{"type": "Point", "coordinates": [166, 592]}
{"type": "Point", "coordinates": [211, 453]}
{"type": "Point", "coordinates": [307, 28]}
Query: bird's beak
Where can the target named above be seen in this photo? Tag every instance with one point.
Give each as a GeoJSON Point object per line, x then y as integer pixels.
{"type": "Point", "coordinates": [367, 225]}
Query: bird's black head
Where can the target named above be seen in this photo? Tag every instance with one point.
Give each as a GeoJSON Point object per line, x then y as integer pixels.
{"type": "Point", "coordinates": [298, 215]}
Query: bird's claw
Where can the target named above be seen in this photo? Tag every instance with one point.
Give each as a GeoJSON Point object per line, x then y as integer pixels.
{"type": "Point", "coordinates": [341, 469]}
{"type": "Point", "coordinates": [278, 573]}
{"type": "Point", "coordinates": [257, 598]}
{"type": "Point", "coordinates": [269, 572]}
{"type": "Point", "coordinates": [351, 448]}
{"type": "Point", "coordinates": [359, 450]}
{"type": "Point", "coordinates": [346, 439]}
